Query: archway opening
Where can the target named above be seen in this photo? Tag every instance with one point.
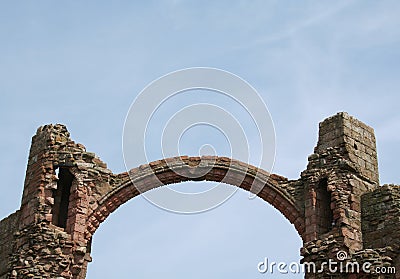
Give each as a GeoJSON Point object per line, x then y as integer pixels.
{"type": "Point", "coordinates": [141, 240]}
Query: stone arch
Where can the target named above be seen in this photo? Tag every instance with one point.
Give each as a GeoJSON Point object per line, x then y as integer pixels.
{"type": "Point", "coordinates": [221, 169]}
{"type": "Point", "coordinates": [345, 154]}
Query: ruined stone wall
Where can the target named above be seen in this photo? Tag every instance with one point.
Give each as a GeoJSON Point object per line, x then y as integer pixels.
{"type": "Point", "coordinates": [354, 140]}
{"type": "Point", "coordinates": [45, 247]}
{"type": "Point", "coordinates": [345, 160]}
{"type": "Point", "coordinates": [335, 205]}
{"type": "Point", "coordinates": [8, 227]}
{"type": "Point", "coordinates": [345, 147]}
{"type": "Point", "coordinates": [381, 220]}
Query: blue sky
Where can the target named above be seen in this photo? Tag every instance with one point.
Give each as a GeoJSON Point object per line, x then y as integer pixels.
{"type": "Point", "coordinates": [82, 63]}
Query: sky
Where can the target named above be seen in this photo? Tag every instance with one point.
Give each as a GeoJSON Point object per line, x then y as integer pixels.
{"type": "Point", "coordinates": [82, 63]}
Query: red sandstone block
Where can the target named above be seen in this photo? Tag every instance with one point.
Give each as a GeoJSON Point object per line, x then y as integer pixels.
{"type": "Point", "coordinates": [104, 210]}
{"type": "Point", "coordinates": [224, 160]}
{"type": "Point", "coordinates": [79, 228]}
{"type": "Point", "coordinates": [122, 197]}
{"type": "Point", "coordinates": [132, 190]}
{"type": "Point", "coordinates": [155, 163]}
{"type": "Point", "coordinates": [285, 210]}
{"type": "Point", "coordinates": [79, 237]}
{"type": "Point", "coordinates": [92, 219]}
{"type": "Point", "coordinates": [279, 198]}
{"type": "Point", "coordinates": [89, 232]}
{"type": "Point", "coordinates": [99, 216]}
{"type": "Point", "coordinates": [273, 194]}
{"type": "Point", "coordinates": [291, 215]}
{"type": "Point", "coordinates": [111, 205]}
{"type": "Point", "coordinates": [277, 204]}
{"type": "Point", "coordinates": [264, 194]}
{"type": "Point", "coordinates": [115, 200]}
{"type": "Point", "coordinates": [72, 211]}
{"type": "Point", "coordinates": [95, 223]}
{"type": "Point", "coordinates": [300, 229]}
{"type": "Point", "coordinates": [219, 172]}
{"type": "Point", "coordinates": [299, 226]}
{"type": "Point", "coordinates": [81, 219]}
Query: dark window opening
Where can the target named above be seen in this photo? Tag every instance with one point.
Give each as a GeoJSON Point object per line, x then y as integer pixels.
{"type": "Point", "coordinates": [323, 207]}
{"type": "Point", "coordinates": [61, 198]}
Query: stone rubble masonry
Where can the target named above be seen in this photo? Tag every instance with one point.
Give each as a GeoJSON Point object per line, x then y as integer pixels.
{"type": "Point", "coordinates": [335, 205]}
{"type": "Point", "coordinates": [355, 141]}
{"type": "Point", "coordinates": [8, 226]}
{"type": "Point", "coordinates": [380, 219]}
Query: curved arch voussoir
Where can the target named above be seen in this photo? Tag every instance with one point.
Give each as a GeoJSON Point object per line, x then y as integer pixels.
{"type": "Point", "coordinates": [208, 168]}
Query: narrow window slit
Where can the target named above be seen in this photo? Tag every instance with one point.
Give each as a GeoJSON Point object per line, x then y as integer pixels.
{"type": "Point", "coordinates": [324, 211]}
{"type": "Point", "coordinates": [61, 198]}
